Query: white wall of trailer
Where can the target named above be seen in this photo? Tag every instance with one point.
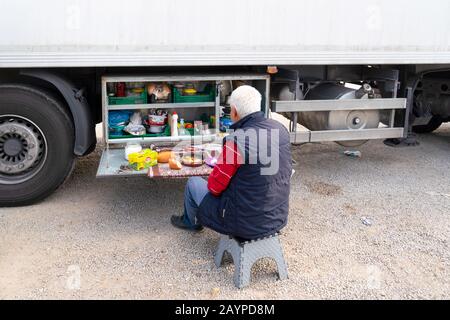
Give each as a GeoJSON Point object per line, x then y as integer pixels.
{"type": "Point", "coordinates": [42, 33]}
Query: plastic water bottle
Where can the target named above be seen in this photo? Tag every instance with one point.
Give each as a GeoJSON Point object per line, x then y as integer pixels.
{"type": "Point", "coordinates": [182, 130]}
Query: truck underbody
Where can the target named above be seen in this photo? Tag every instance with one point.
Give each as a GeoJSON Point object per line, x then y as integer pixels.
{"type": "Point", "coordinates": [48, 115]}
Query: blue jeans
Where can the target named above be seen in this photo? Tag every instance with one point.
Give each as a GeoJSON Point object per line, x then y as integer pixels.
{"type": "Point", "coordinates": [196, 190]}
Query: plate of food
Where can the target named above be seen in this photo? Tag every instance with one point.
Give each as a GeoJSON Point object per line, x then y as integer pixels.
{"type": "Point", "coordinates": [192, 161]}
{"type": "Point", "coordinates": [193, 151]}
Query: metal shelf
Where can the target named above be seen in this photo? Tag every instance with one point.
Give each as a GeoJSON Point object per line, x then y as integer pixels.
{"type": "Point", "coordinates": [161, 106]}
{"type": "Point", "coordinates": [170, 139]}
{"type": "Point", "coordinates": [213, 77]}
{"type": "Point", "coordinates": [207, 77]}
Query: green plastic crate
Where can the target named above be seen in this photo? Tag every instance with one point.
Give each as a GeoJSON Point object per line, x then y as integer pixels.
{"type": "Point", "coordinates": [208, 95]}
{"type": "Point", "coordinates": [141, 99]}
{"type": "Point", "coordinates": [166, 133]}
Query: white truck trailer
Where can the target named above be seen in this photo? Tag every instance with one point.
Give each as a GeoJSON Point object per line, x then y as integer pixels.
{"type": "Point", "coordinates": [349, 71]}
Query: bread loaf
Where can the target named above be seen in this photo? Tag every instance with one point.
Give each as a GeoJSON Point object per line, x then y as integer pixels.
{"type": "Point", "coordinates": [165, 156]}
{"type": "Point", "coordinates": [175, 164]}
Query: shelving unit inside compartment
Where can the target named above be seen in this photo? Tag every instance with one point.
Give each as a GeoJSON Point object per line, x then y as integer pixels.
{"type": "Point", "coordinates": [140, 109]}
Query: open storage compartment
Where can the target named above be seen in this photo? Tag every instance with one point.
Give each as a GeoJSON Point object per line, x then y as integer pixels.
{"type": "Point", "coordinates": [149, 102]}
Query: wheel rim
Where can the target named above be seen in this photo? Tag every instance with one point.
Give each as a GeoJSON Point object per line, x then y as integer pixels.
{"type": "Point", "coordinates": [23, 149]}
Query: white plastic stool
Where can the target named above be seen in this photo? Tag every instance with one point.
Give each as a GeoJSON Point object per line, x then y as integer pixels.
{"type": "Point", "coordinates": [245, 254]}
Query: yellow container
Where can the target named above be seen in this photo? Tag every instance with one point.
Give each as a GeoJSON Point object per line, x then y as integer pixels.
{"type": "Point", "coordinates": [143, 160]}
{"type": "Point", "coordinates": [190, 92]}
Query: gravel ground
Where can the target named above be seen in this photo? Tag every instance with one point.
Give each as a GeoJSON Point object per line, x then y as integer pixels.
{"type": "Point", "coordinates": [375, 227]}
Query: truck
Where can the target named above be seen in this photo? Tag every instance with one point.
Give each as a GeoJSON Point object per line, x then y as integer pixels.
{"type": "Point", "coordinates": [348, 71]}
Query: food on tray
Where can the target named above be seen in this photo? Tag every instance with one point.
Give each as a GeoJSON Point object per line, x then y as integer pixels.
{"type": "Point", "coordinates": [165, 156]}
{"type": "Point", "coordinates": [192, 156]}
{"type": "Point", "coordinates": [192, 161]}
{"type": "Point", "coordinates": [192, 153]}
{"type": "Point", "coordinates": [175, 164]}
{"type": "Point", "coordinates": [143, 160]}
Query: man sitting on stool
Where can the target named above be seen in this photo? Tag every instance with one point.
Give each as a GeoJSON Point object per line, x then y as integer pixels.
{"type": "Point", "coordinates": [247, 194]}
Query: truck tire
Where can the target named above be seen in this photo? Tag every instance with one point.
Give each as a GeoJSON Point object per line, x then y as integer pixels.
{"type": "Point", "coordinates": [434, 124]}
{"type": "Point", "coordinates": [36, 144]}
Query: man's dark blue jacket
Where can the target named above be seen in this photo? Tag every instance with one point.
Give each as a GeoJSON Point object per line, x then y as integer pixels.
{"type": "Point", "coordinates": [256, 202]}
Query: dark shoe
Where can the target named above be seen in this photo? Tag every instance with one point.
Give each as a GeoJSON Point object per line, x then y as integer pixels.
{"type": "Point", "coordinates": [179, 222]}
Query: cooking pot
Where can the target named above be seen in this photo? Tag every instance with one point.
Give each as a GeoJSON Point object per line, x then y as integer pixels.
{"type": "Point", "coordinates": [154, 119]}
{"type": "Point", "coordinates": [152, 128]}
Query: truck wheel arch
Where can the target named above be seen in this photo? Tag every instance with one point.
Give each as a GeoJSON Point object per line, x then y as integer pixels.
{"type": "Point", "coordinates": [83, 121]}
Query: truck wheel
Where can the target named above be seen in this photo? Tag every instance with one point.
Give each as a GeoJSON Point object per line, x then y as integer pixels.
{"type": "Point", "coordinates": [434, 124]}
{"type": "Point", "coordinates": [36, 144]}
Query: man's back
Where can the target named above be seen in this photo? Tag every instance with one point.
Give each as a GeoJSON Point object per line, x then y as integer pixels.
{"type": "Point", "coordinates": [256, 202]}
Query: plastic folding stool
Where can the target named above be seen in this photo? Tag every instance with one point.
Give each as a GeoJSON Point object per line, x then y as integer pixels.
{"type": "Point", "coordinates": [245, 254]}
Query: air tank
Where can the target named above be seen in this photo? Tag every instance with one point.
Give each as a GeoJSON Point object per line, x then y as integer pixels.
{"type": "Point", "coordinates": [337, 120]}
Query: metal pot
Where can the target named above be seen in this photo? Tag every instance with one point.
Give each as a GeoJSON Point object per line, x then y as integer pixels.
{"type": "Point", "coordinates": [156, 119]}
{"type": "Point", "coordinates": [156, 128]}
